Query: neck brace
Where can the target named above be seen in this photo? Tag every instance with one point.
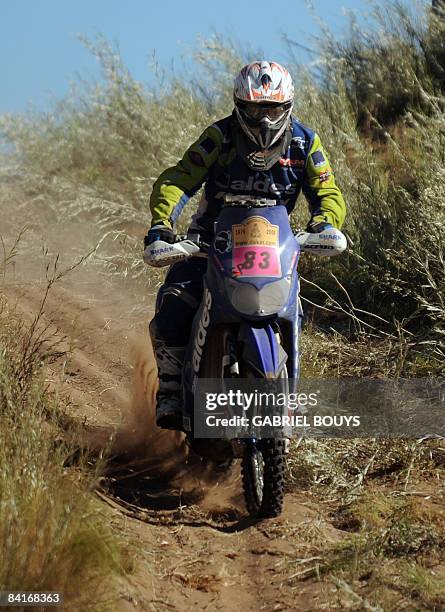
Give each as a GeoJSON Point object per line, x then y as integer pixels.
{"type": "Point", "coordinates": [258, 159]}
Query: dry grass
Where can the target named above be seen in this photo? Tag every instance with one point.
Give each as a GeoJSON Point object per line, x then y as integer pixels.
{"type": "Point", "coordinates": [54, 535]}
{"type": "Point", "coordinates": [379, 534]}
{"type": "Point", "coordinates": [86, 170]}
{"type": "Point", "coordinates": [378, 540]}
{"type": "Point", "coordinates": [91, 163]}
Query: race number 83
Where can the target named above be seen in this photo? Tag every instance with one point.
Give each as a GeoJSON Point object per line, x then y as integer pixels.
{"type": "Point", "coordinates": [256, 261]}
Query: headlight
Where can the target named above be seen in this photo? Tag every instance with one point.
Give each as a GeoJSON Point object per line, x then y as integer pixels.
{"type": "Point", "coordinates": [248, 300]}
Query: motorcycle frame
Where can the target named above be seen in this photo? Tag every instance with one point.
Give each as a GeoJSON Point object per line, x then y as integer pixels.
{"type": "Point", "coordinates": [268, 342]}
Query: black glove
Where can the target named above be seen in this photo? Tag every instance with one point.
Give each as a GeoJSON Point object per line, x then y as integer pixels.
{"type": "Point", "coordinates": [160, 232]}
{"type": "Point", "coordinates": [316, 227]}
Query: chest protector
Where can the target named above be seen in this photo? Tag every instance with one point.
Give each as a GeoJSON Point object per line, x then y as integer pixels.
{"type": "Point", "coordinates": [232, 174]}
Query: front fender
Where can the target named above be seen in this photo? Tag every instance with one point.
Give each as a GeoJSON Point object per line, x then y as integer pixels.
{"type": "Point", "coordinates": [262, 350]}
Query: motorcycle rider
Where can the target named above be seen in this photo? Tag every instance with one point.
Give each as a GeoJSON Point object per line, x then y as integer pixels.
{"type": "Point", "coordinates": [259, 150]}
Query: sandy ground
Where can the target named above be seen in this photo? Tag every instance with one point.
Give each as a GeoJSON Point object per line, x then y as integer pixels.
{"type": "Point", "coordinates": [198, 548]}
{"type": "Point", "coordinates": [195, 546]}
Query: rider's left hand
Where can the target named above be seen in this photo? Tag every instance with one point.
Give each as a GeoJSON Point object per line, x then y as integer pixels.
{"type": "Point", "coordinates": [159, 232]}
{"type": "Point", "coordinates": [316, 227]}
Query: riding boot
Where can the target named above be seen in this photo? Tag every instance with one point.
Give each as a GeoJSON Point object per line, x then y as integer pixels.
{"type": "Point", "coordinates": [169, 402]}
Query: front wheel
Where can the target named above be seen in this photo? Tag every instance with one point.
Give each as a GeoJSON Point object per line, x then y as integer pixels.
{"type": "Point", "coordinates": [263, 477]}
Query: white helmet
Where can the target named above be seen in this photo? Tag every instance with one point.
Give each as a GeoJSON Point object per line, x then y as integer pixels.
{"type": "Point", "coordinates": [263, 96]}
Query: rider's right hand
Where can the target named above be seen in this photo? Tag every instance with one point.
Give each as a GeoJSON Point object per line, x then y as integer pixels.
{"type": "Point", "coordinates": [159, 232]}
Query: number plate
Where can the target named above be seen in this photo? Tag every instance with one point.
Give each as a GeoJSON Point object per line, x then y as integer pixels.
{"type": "Point", "coordinates": [255, 249]}
{"type": "Point", "coordinates": [256, 261]}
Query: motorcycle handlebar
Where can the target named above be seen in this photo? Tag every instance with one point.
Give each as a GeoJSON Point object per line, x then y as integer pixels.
{"type": "Point", "coordinates": [328, 243]}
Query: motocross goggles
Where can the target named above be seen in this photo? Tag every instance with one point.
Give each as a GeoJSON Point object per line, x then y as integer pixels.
{"type": "Point", "coordinates": [254, 112]}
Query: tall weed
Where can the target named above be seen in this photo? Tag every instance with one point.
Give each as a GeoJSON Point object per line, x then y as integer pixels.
{"type": "Point", "coordinates": [377, 100]}
{"type": "Point", "coordinates": [54, 535]}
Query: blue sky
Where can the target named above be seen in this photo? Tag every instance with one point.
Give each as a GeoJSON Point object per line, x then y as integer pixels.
{"type": "Point", "coordinates": [40, 53]}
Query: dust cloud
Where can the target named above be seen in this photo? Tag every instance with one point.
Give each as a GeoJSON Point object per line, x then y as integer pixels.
{"type": "Point", "coordinates": [164, 454]}
{"type": "Point", "coordinates": [90, 295]}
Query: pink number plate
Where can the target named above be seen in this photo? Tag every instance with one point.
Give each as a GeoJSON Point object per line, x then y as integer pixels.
{"type": "Point", "coordinates": [256, 261]}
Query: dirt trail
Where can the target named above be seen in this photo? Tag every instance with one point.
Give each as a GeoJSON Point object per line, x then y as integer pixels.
{"type": "Point", "coordinates": [200, 549]}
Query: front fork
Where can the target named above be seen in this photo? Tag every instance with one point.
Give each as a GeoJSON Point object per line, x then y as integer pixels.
{"type": "Point", "coordinates": [262, 352]}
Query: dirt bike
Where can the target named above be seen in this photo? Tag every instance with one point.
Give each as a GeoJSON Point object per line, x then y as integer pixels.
{"type": "Point", "coordinates": [247, 326]}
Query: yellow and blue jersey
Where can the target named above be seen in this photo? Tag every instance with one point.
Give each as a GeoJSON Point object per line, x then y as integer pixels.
{"type": "Point", "coordinates": [213, 160]}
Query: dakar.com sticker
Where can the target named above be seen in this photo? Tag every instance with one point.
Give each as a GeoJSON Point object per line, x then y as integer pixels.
{"type": "Point", "coordinates": [255, 251]}
{"type": "Point", "coordinates": [255, 231]}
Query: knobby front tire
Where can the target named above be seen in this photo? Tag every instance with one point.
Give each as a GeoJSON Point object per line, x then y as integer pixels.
{"type": "Point", "coordinates": [263, 468]}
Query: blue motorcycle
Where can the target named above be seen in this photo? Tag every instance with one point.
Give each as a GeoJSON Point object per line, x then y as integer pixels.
{"type": "Point", "coordinates": [247, 326]}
